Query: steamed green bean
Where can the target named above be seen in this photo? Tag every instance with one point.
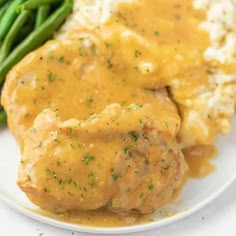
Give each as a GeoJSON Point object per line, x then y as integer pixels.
{"type": "Point", "coordinates": [3, 9]}
{"type": "Point", "coordinates": [42, 14]}
{"type": "Point", "coordinates": [2, 2]}
{"type": "Point", "coordinates": [8, 18]}
{"type": "Point", "coordinates": [34, 4]}
{"type": "Point", "coordinates": [36, 38]}
{"type": "Point", "coordinates": [3, 117]}
{"type": "Point", "coordinates": [9, 40]}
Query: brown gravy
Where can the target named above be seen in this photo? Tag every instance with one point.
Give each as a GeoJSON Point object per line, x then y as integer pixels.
{"type": "Point", "coordinates": [199, 160]}
{"type": "Point", "coordinates": [156, 30]}
{"type": "Point", "coordinates": [99, 218]}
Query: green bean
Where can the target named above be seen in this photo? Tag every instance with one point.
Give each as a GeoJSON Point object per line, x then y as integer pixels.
{"type": "Point", "coordinates": [9, 40]}
{"type": "Point", "coordinates": [36, 38]}
{"type": "Point", "coordinates": [3, 9]}
{"type": "Point", "coordinates": [2, 2]}
{"type": "Point", "coordinates": [34, 4]}
{"type": "Point", "coordinates": [8, 18]}
{"type": "Point", "coordinates": [42, 14]}
{"type": "Point", "coordinates": [26, 29]}
{"type": "Point", "coordinates": [3, 117]}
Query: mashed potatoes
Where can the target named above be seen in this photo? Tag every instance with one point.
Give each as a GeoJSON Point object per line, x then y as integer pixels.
{"type": "Point", "coordinates": [211, 105]}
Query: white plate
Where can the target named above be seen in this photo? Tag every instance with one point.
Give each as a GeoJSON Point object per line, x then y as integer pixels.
{"type": "Point", "coordinates": [196, 194]}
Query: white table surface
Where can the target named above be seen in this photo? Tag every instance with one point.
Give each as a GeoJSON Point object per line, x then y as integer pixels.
{"type": "Point", "coordinates": [218, 219]}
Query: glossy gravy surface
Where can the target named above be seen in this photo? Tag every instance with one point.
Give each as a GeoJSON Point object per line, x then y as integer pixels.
{"type": "Point", "coordinates": [170, 36]}
{"type": "Point", "coordinates": [99, 218]}
{"type": "Point", "coordinates": [199, 160]}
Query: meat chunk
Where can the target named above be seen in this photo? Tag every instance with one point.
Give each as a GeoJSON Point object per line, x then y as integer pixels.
{"type": "Point", "coordinates": [75, 77]}
{"type": "Point", "coordinates": [123, 158]}
{"type": "Point", "coordinates": [82, 75]}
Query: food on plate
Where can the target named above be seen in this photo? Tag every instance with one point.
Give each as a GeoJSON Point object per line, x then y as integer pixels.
{"type": "Point", "coordinates": [109, 160]}
{"type": "Point", "coordinates": [105, 113]}
{"type": "Point", "coordinates": [23, 30]}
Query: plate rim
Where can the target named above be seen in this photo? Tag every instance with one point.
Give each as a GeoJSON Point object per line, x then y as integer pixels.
{"type": "Point", "coordinates": [122, 229]}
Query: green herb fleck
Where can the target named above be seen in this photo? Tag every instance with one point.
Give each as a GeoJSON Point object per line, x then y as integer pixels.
{"type": "Point", "coordinates": [71, 130]}
{"type": "Point", "coordinates": [109, 205]}
{"type": "Point", "coordinates": [109, 64]}
{"type": "Point", "coordinates": [166, 167]}
{"type": "Point", "coordinates": [90, 99]}
{"type": "Point", "coordinates": [141, 195]}
{"type": "Point", "coordinates": [123, 103]}
{"type": "Point", "coordinates": [108, 45]}
{"type": "Point", "coordinates": [209, 72]}
{"type": "Point", "coordinates": [86, 159]}
{"type": "Point", "coordinates": [116, 176]}
{"type": "Point", "coordinates": [51, 77]}
{"type": "Point", "coordinates": [61, 59]}
{"type": "Point", "coordinates": [137, 105]}
{"type": "Point", "coordinates": [137, 53]}
{"type": "Point", "coordinates": [58, 162]}
{"type": "Point", "coordinates": [126, 149]}
{"type": "Point", "coordinates": [91, 174]}
{"type": "Point", "coordinates": [141, 123]}
{"type": "Point", "coordinates": [54, 175]}
{"type": "Point", "coordinates": [137, 69]}
{"type": "Point", "coordinates": [81, 51]}
{"type": "Point", "coordinates": [151, 186]}
{"type": "Point", "coordinates": [50, 54]}
{"type": "Point", "coordinates": [134, 136]}
{"type": "Point", "coordinates": [91, 184]}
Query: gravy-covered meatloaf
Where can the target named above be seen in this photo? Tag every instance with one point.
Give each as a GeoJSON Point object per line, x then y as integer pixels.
{"type": "Point", "coordinates": [103, 111]}
{"type": "Point", "coordinates": [124, 158]}
{"type": "Point", "coordinates": [77, 156]}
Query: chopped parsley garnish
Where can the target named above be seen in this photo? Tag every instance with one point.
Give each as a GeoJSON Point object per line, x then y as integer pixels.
{"type": "Point", "coordinates": [108, 45]}
{"type": "Point", "coordinates": [137, 69]}
{"type": "Point", "coordinates": [137, 105]}
{"type": "Point", "coordinates": [87, 159]}
{"type": "Point", "coordinates": [61, 60]}
{"type": "Point", "coordinates": [134, 136]}
{"type": "Point", "coordinates": [126, 149]}
{"type": "Point", "coordinates": [109, 64]}
{"type": "Point", "coordinates": [137, 53]}
{"type": "Point", "coordinates": [51, 77]}
{"type": "Point", "coordinates": [116, 176]}
{"type": "Point", "coordinates": [90, 99]}
{"type": "Point", "coordinates": [141, 124]}
{"type": "Point", "coordinates": [123, 103]}
{"type": "Point", "coordinates": [81, 51]}
{"type": "Point", "coordinates": [58, 162]}
{"type": "Point", "coordinates": [151, 186]}
{"type": "Point", "coordinates": [91, 174]}
{"type": "Point", "coordinates": [109, 205]}
{"type": "Point", "coordinates": [141, 195]}
{"type": "Point", "coordinates": [72, 131]}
